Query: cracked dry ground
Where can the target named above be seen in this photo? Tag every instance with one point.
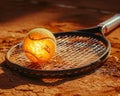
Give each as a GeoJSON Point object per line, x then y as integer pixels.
{"type": "Point", "coordinates": [105, 81]}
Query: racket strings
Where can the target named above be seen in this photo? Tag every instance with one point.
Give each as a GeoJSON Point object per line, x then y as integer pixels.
{"type": "Point", "coordinates": [72, 52]}
{"type": "Point", "coordinates": [80, 52]}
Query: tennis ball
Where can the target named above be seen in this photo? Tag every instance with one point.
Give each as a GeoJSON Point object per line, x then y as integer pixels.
{"type": "Point", "coordinates": [39, 45]}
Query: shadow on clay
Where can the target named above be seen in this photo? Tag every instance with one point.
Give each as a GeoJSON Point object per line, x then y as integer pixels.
{"type": "Point", "coordinates": [10, 79]}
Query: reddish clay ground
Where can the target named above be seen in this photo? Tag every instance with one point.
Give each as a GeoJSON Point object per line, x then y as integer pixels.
{"type": "Point", "coordinates": [19, 16]}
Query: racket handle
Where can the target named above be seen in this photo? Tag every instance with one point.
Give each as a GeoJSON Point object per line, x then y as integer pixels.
{"type": "Point", "coordinates": [110, 24]}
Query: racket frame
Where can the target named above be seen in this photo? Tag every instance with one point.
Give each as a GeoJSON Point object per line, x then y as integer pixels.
{"type": "Point", "coordinates": [67, 72]}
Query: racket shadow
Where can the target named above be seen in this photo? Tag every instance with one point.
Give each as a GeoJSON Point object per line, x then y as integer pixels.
{"type": "Point", "coordinates": [10, 78]}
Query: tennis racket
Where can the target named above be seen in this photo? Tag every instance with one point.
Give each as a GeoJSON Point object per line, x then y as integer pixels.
{"type": "Point", "coordinates": [78, 52]}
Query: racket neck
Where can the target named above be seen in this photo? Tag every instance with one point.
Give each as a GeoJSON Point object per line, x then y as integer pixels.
{"type": "Point", "coordinates": [99, 30]}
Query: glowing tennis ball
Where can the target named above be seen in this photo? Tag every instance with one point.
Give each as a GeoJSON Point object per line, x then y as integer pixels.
{"type": "Point", "coordinates": [39, 45]}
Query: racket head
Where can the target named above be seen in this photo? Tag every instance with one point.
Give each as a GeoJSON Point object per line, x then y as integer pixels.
{"type": "Point", "coordinates": [77, 53]}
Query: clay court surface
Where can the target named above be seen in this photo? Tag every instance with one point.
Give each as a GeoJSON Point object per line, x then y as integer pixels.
{"type": "Point", "coordinates": [17, 17]}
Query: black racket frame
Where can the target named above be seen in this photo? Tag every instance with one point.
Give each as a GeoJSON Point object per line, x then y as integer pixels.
{"type": "Point", "coordinates": [92, 32]}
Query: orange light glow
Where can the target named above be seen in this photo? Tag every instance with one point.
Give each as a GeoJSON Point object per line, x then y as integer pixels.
{"type": "Point", "coordinates": [39, 45]}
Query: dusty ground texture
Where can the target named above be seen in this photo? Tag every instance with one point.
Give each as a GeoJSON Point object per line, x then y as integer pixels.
{"type": "Point", "coordinates": [19, 16]}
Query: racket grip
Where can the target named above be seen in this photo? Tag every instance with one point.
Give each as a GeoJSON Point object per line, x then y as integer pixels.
{"type": "Point", "coordinates": [110, 24]}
